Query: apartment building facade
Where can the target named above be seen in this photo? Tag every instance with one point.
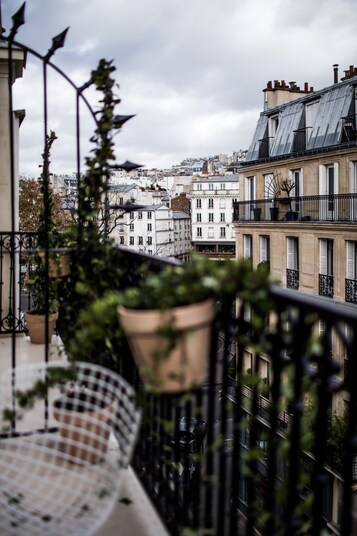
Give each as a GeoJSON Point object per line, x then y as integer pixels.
{"type": "Point", "coordinates": [298, 206]}
{"type": "Point", "coordinates": [155, 230]}
{"type": "Point", "coordinates": [213, 232]}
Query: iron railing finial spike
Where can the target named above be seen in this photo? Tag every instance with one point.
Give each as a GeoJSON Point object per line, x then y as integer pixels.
{"type": "Point", "coordinates": [57, 42]}
{"type": "Point", "coordinates": [18, 19]}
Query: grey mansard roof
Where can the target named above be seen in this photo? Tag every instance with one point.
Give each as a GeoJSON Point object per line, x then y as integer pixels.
{"type": "Point", "coordinates": [335, 103]}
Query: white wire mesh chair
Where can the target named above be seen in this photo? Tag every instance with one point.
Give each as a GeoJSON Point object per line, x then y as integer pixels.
{"type": "Point", "coordinates": [62, 460]}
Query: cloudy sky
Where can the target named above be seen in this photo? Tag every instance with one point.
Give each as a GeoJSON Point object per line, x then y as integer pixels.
{"type": "Point", "coordinates": [191, 70]}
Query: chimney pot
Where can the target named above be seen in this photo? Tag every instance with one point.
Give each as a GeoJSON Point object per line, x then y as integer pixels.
{"type": "Point", "coordinates": [306, 87]}
{"type": "Point", "coordinates": [335, 73]}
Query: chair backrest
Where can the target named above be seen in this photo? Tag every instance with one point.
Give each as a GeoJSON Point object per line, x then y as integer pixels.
{"type": "Point", "coordinates": [63, 455]}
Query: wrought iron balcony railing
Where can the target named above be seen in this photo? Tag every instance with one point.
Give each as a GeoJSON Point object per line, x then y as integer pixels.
{"type": "Point", "coordinates": [231, 457]}
{"type": "Point", "coordinates": [292, 278]}
{"type": "Point", "coordinates": [336, 208]}
{"type": "Point", "coordinates": [351, 291]}
{"type": "Point", "coordinates": [326, 285]}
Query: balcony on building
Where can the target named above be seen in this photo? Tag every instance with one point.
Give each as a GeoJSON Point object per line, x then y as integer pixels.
{"type": "Point", "coordinates": [313, 208]}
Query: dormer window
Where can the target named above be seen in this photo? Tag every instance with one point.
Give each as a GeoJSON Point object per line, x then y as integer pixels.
{"type": "Point", "coordinates": [273, 123]}
{"type": "Point", "coordinates": [310, 117]}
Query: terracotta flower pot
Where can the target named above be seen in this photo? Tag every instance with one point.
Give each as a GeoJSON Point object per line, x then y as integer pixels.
{"type": "Point", "coordinates": [163, 368]}
{"type": "Point", "coordinates": [85, 423]}
{"type": "Point", "coordinates": [36, 325]}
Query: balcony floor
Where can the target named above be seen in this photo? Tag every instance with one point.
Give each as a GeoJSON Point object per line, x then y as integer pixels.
{"type": "Point", "coordinates": [133, 513]}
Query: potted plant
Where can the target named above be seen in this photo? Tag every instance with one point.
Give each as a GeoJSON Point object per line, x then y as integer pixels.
{"type": "Point", "coordinates": [41, 319]}
{"type": "Point", "coordinates": [272, 191]}
{"type": "Point", "coordinates": [287, 185]}
{"type": "Point", "coordinates": [167, 319]}
{"type": "Point", "coordinates": [44, 311]}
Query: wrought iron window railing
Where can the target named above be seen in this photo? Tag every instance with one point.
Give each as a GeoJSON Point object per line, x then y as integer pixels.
{"type": "Point", "coordinates": [351, 291]}
{"type": "Point", "coordinates": [326, 285]}
{"type": "Point", "coordinates": [292, 278]}
{"type": "Point", "coordinates": [336, 207]}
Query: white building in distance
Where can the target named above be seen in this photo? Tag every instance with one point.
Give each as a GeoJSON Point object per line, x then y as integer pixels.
{"type": "Point", "coordinates": [213, 232]}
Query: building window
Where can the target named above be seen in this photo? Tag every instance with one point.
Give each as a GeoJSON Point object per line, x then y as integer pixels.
{"type": "Point", "coordinates": [210, 186]}
{"type": "Point", "coordinates": [149, 227]}
{"type": "Point", "coordinates": [351, 271]}
{"type": "Point", "coordinates": [121, 201]}
{"type": "Point", "coordinates": [292, 248]}
{"type": "Point", "coordinates": [210, 232]}
{"type": "Point", "coordinates": [222, 203]}
{"type": "Point", "coordinates": [121, 240]}
{"type": "Point", "coordinates": [249, 193]}
{"type": "Point", "coordinates": [223, 186]}
{"type": "Point", "coordinates": [264, 249]}
{"type": "Point", "coordinates": [149, 251]}
{"type": "Point", "coordinates": [210, 217]}
{"type": "Point", "coordinates": [140, 240]}
{"type": "Point", "coordinates": [328, 186]}
{"type": "Point", "coordinates": [292, 262]}
{"type": "Point", "coordinates": [247, 246]}
{"type": "Point", "coordinates": [131, 240]}
{"type": "Point", "coordinates": [140, 215]}
{"type": "Point", "coordinates": [131, 227]}
{"type": "Point", "coordinates": [222, 232]}
{"type": "Point", "coordinates": [149, 214]}
{"type": "Point", "coordinates": [326, 282]}
{"type": "Point", "coordinates": [199, 186]}
{"type": "Point", "coordinates": [310, 116]}
{"type": "Point", "coordinates": [198, 203]}
{"type": "Point", "coordinates": [223, 217]}
{"type": "Point", "coordinates": [149, 240]}
{"type": "Point", "coordinates": [199, 232]}
{"type": "Point", "coordinates": [199, 217]}
{"type": "Point", "coordinates": [210, 203]}
{"type": "Point", "coordinates": [273, 123]}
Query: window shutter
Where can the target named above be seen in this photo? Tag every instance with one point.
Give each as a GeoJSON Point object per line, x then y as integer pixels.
{"type": "Point", "coordinates": [323, 257]}
{"type": "Point", "coordinates": [322, 180]}
{"type": "Point", "coordinates": [263, 248]}
{"type": "Point", "coordinates": [335, 178]}
{"type": "Point", "coordinates": [290, 253]}
{"type": "Point", "coordinates": [353, 177]}
{"type": "Point", "coordinates": [350, 259]}
{"type": "Point", "coordinates": [247, 248]}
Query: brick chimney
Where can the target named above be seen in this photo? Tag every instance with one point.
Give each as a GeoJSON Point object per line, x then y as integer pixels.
{"type": "Point", "coordinates": [280, 92]}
